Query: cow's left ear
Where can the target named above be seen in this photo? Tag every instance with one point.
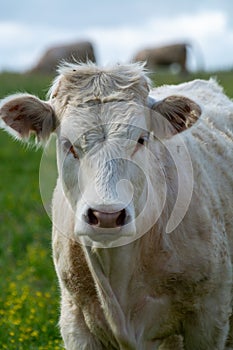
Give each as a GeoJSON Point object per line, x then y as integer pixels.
{"type": "Point", "coordinates": [173, 114]}
{"type": "Point", "coordinates": [21, 114]}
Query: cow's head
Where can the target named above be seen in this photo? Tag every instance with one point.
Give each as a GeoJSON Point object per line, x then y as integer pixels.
{"type": "Point", "coordinates": [104, 135]}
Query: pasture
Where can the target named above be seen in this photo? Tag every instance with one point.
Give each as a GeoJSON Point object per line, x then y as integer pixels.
{"type": "Point", "coordinates": [29, 295]}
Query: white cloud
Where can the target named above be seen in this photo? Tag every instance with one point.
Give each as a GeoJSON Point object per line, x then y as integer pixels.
{"type": "Point", "coordinates": [207, 32]}
{"type": "Point", "coordinates": [21, 45]}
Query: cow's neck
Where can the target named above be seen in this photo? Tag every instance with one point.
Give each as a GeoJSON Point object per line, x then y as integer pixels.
{"type": "Point", "coordinates": [112, 270]}
{"type": "Point", "coordinates": [113, 267]}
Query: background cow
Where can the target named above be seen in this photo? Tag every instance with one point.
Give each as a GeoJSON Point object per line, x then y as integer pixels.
{"type": "Point", "coordinates": [79, 51]}
{"type": "Point", "coordinates": [142, 210]}
{"type": "Point", "coordinates": [164, 56]}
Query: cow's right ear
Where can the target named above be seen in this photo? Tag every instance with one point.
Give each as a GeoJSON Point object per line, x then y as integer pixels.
{"type": "Point", "coordinates": [173, 115]}
{"type": "Point", "coordinates": [23, 114]}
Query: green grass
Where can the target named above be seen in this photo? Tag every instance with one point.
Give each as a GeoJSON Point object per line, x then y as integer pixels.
{"type": "Point", "coordinates": [29, 294]}
{"type": "Point", "coordinates": [225, 78]}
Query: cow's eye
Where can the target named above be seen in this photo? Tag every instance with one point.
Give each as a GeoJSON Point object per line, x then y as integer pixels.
{"type": "Point", "coordinates": [141, 140]}
{"type": "Point", "coordinates": [72, 150]}
{"type": "Point", "coordinates": [69, 148]}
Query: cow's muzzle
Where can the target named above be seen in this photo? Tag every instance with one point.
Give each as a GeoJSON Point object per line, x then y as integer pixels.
{"type": "Point", "coordinates": [102, 219]}
{"type": "Point", "coordinates": [106, 225]}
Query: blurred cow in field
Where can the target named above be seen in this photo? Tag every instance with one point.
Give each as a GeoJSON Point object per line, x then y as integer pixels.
{"type": "Point", "coordinates": [164, 56]}
{"type": "Point", "coordinates": [79, 51]}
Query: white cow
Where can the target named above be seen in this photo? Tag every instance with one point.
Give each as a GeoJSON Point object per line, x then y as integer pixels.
{"type": "Point", "coordinates": [142, 210]}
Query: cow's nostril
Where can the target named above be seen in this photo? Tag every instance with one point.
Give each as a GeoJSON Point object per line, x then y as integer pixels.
{"type": "Point", "coordinates": [106, 219]}
{"type": "Point", "coordinates": [121, 218]}
{"type": "Point", "coordinates": [92, 219]}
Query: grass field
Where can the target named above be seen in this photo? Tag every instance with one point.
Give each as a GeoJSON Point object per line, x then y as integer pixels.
{"type": "Point", "coordinates": [29, 294]}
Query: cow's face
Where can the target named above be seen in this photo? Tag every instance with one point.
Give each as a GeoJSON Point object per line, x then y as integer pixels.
{"type": "Point", "coordinates": [111, 173]}
{"type": "Point", "coordinates": [103, 163]}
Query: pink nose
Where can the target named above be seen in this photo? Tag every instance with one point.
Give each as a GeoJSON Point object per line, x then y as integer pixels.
{"type": "Point", "coordinates": [106, 220]}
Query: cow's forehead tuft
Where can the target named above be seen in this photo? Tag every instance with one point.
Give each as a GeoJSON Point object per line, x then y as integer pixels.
{"type": "Point", "coordinates": [87, 83]}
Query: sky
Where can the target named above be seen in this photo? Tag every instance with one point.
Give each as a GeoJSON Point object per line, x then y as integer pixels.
{"type": "Point", "coordinates": [117, 29]}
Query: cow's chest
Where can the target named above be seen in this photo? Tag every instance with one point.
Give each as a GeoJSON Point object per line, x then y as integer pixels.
{"type": "Point", "coordinates": [127, 310]}
{"type": "Point", "coordinates": [135, 310]}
